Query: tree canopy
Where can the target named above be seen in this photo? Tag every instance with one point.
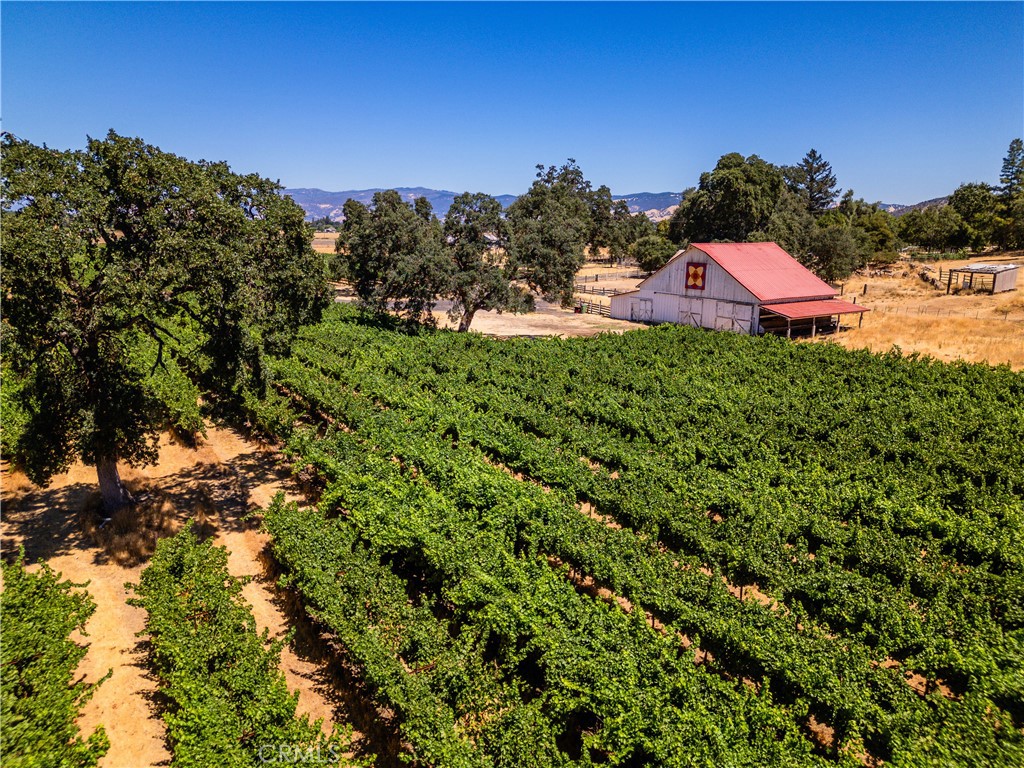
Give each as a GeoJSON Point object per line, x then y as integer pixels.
{"type": "Point", "coordinates": [732, 201]}
{"type": "Point", "coordinates": [550, 227]}
{"type": "Point", "coordinates": [652, 252]}
{"type": "Point", "coordinates": [132, 277]}
{"type": "Point", "coordinates": [1011, 175]}
{"type": "Point", "coordinates": [398, 257]}
{"type": "Point", "coordinates": [391, 254]}
{"type": "Point", "coordinates": [751, 200]}
{"type": "Point", "coordinates": [482, 269]}
{"type": "Point", "coordinates": [813, 182]}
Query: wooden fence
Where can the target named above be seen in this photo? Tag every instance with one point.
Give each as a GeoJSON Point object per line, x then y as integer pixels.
{"type": "Point", "coordinates": [596, 291]}
{"type": "Point", "coordinates": [931, 312]}
{"type": "Point", "coordinates": [979, 281]}
{"type": "Point", "coordinates": [610, 276]}
{"type": "Point", "coordinates": [593, 308]}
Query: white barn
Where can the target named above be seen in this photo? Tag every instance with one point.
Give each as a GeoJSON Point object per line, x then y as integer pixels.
{"type": "Point", "coordinates": [745, 287]}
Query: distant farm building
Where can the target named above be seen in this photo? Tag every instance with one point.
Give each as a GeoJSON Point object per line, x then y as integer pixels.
{"type": "Point", "coordinates": [744, 287]}
{"type": "Point", "coordinates": [994, 278]}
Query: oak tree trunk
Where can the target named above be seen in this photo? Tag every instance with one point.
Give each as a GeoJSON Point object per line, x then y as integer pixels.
{"type": "Point", "coordinates": [112, 490]}
{"type": "Point", "coordinates": [467, 318]}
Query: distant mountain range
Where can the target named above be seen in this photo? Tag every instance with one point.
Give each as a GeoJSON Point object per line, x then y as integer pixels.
{"type": "Point", "coordinates": [318, 203]}
{"type": "Point", "coordinates": [898, 209]}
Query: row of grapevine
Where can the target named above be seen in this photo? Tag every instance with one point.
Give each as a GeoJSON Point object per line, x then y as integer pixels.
{"type": "Point", "coordinates": [227, 700]}
{"type": "Point", "coordinates": [40, 698]}
{"type": "Point", "coordinates": [823, 536]}
{"type": "Point", "coordinates": [803, 551]}
{"type": "Point", "coordinates": [840, 684]}
{"type": "Point", "coordinates": [448, 406]}
{"type": "Point", "coordinates": [524, 667]}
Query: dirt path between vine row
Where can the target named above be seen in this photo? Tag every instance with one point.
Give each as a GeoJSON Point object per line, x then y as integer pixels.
{"type": "Point", "coordinates": [214, 483]}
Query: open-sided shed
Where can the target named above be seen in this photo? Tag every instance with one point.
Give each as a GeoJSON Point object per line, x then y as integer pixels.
{"type": "Point", "coordinates": [994, 278]}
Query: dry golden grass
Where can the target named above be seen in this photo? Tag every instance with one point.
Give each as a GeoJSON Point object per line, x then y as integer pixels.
{"type": "Point", "coordinates": [323, 242]}
{"type": "Point", "coordinates": [992, 341]}
{"type": "Point", "coordinates": [129, 537]}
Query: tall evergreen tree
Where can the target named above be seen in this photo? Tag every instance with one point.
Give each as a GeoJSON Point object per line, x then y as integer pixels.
{"type": "Point", "coordinates": [1012, 174]}
{"type": "Point", "coordinates": [812, 179]}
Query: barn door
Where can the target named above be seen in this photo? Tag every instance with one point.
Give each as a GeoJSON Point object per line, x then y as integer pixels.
{"type": "Point", "coordinates": [689, 314]}
{"type": "Point", "coordinates": [646, 313]}
{"type": "Point", "coordinates": [724, 316]}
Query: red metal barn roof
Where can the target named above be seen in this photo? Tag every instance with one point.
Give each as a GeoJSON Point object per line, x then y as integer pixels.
{"type": "Point", "coordinates": [799, 310]}
{"type": "Point", "coordinates": [767, 271]}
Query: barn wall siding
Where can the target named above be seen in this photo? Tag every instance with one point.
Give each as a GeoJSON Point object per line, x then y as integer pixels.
{"type": "Point", "coordinates": [719, 284]}
{"type": "Point", "coordinates": [723, 303]}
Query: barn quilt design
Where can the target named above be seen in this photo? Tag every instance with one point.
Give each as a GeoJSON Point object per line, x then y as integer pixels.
{"type": "Point", "coordinates": [695, 275]}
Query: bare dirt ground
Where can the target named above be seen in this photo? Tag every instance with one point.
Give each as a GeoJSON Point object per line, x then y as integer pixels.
{"type": "Point", "coordinates": [546, 320]}
{"type": "Point", "coordinates": [906, 312]}
{"type": "Point", "coordinates": [215, 484]}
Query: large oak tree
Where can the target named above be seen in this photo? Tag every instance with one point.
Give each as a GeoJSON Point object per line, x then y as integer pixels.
{"type": "Point", "coordinates": [131, 277]}
{"type": "Point", "coordinates": [390, 252]}
{"type": "Point", "coordinates": [550, 225]}
{"type": "Point", "coordinates": [482, 269]}
{"type": "Point", "coordinates": [731, 202]}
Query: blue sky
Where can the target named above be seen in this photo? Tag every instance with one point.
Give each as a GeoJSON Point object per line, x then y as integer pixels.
{"type": "Point", "coordinates": [905, 100]}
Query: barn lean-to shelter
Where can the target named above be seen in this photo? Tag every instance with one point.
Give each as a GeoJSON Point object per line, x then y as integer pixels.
{"type": "Point", "coordinates": [744, 287]}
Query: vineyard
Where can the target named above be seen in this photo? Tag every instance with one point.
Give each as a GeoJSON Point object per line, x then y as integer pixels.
{"type": "Point", "coordinates": [40, 697]}
{"type": "Point", "coordinates": [662, 548]}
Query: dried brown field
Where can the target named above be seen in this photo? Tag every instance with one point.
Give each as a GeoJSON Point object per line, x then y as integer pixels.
{"type": "Point", "coordinates": [323, 242]}
{"type": "Point", "coordinates": [917, 317]}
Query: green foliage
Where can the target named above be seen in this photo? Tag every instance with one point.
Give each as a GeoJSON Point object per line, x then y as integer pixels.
{"type": "Point", "coordinates": [750, 200]}
{"type": "Point", "coordinates": [877, 543]}
{"type": "Point", "coordinates": [653, 252]}
{"type": "Point", "coordinates": [734, 200]}
{"type": "Point", "coordinates": [977, 216]}
{"type": "Point", "coordinates": [936, 228]}
{"type": "Point", "coordinates": [391, 253]}
{"type": "Point", "coordinates": [1011, 175]}
{"type": "Point", "coordinates": [978, 206]}
{"type": "Point", "coordinates": [550, 226]}
{"type": "Point", "coordinates": [613, 226]}
{"type": "Point", "coordinates": [112, 257]}
{"type": "Point", "coordinates": [1009, 232]}
{"type": "Point", "coordinates": [791, 226]}
{"type": "Point", "coordinates": [40, 699]}
{"type": "Point", "coordinates": [13, 417]}
{"type": "Point", "coordinates": [813, 182]}
{"type": "Point", "coordinates": [834, 252]}
{"type": "Point", "coordinates": [476, 243]}
{"type": "Point", "coordinates": [325, 223]}
{"type": "Point", "coordinates": [229, 704]}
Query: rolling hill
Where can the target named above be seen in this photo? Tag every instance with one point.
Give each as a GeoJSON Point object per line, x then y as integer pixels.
{"type": "Point", "coordinates": [318, 203]}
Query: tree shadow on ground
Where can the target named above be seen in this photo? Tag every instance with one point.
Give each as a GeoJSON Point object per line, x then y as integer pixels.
{"type": "Point", "coordinates": [50, 522]}
{"type": "Point", "coordinates": [43, 521]}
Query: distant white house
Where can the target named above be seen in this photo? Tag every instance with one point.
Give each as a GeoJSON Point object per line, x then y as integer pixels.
{"type": "Point", "coordinates": [744, 287]}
